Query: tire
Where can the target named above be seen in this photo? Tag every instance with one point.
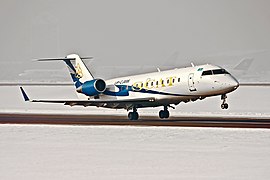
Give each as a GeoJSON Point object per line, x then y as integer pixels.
{"type": "Point", "coordinates": [130, 115]}
{"type": "Point", "coordinates": [161, 114]}
{"type": "Point", "coordinates": [166, 114]}
{"type": "Point", "coordinates": [222, 106]}
{"type": "Point", "coordinates": [133, 116]}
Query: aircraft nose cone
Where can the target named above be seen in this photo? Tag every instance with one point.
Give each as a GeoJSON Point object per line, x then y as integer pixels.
{"type": "Point", "coordinates": [233, 84]}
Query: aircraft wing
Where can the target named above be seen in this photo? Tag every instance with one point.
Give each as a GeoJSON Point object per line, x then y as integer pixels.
{"type": "Point", "coordinates": [89, 102]}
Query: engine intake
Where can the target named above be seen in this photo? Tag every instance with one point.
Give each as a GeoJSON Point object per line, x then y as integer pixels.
{"type": "Point", "coordinates": [93, 87]}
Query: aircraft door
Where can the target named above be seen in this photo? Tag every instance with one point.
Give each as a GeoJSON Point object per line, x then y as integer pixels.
{"type": "Point", "coordinates": [191, 82]}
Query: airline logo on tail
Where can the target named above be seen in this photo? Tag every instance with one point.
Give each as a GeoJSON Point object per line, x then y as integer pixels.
{"type": "Point", "coordinates": [79, 73]}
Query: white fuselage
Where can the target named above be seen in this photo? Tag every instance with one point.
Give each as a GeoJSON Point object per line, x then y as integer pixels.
{"type": "Point", "coordinates": [174, 86]}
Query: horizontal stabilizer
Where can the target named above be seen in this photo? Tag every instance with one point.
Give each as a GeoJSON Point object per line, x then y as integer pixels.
{"type": "Point", "coordinates": [61, 59]}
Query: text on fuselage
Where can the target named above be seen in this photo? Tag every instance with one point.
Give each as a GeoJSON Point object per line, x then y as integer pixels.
{"type": "Point", "coordinates": [150, 83]}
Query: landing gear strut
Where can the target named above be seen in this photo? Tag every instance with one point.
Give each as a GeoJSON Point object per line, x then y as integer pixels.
{"type": "Point", "coordinates": [224, 105]}
{"type": "Point", "coordinates": [133, 115]}
{"type": "Point", "coordinates": [164, 113]}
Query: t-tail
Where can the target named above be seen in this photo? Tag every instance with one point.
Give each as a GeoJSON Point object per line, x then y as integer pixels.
{"type": "Point", "coordinates": [78, 71]}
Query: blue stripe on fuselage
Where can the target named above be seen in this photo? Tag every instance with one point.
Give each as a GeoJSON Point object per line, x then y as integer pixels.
{"type": "Point", "coordinates": [124, 91]}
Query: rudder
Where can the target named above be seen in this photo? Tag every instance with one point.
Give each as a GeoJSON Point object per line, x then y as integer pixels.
{"type": "Point", "coordinates": [81, 71]}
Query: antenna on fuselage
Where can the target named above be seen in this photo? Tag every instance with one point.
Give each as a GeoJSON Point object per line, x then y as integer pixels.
{"type": "Point", "coordinates": [158, 70]}
{"type": "Point", "coordinates": [192, 64]}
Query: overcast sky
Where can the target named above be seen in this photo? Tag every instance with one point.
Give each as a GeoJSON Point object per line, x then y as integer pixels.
{"type": "Point", "coordinates": [127, 33]}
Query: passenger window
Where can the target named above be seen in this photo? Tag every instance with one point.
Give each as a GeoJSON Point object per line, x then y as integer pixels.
{"type": "Point", "coordinates": [157, 83]}
{"type": "Point", "coordinates": [178, 79]}
{"type": "Point", "coordinates": [152, 83]}
{"type": "Point", "coordinates": [173, 80]}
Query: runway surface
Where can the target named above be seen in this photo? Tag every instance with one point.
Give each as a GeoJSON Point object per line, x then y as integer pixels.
{"type": "Point", "coordinates": [143, 121]}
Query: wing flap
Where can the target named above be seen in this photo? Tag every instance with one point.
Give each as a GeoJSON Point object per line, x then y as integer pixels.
{"type": "Point", "coordinates": [94, 102]}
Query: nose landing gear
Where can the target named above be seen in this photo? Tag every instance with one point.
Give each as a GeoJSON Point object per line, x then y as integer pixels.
{"type": "Point", "coordinates": [224, 105]}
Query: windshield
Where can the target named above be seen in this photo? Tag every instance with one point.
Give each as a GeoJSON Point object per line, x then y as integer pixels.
{"type": "Point", "coordinates": [214, 72]}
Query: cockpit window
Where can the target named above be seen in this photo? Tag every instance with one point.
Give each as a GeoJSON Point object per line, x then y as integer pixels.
{"type": "Point", "coordinates": [220, 71]}
{"type": "Point", "coordinates": [214, 72]}
{"type": "Point", "coordinates": [209, 72]}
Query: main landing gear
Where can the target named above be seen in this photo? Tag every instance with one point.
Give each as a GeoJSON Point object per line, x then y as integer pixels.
{"type": "Point", "coordinates": [164, 113]}
{"type": "Point", "coordinates": [133, 115]}
{"type": "Point", "coordinates": [224, 105]}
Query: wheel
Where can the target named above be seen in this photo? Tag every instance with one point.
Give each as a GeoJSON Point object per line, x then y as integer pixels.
{"type": "Point", "coordinates": [166, 114]}
{"type": "Point", "coordinates": [133, 116]}
{"type": "Point", "coordinates": [224, 106]}
{"type": "Point", "coordinates": [130, 115]}
{"type": "Point", "coordinates": [161, 114]}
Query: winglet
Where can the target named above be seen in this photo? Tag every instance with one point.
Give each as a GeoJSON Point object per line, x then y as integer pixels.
{"type": "Point", "coordinates": [26, 98]}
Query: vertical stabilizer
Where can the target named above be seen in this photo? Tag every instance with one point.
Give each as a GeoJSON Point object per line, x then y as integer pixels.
{"type": "Point", "coordinates": [82, 72]}
{"type": "Point", "coordinates": [78, 72]}
{"type": "Point", "coordinates": [77, 69]}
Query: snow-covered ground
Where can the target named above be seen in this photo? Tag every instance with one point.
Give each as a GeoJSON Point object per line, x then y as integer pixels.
{"type": "Point", "coordinates": [113, 152]}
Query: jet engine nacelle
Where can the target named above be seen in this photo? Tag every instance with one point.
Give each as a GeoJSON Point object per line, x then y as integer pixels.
{"type": "Point", "coordinates": [93, 87]}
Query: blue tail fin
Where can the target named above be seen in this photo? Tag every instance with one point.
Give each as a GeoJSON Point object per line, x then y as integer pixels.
{"type": "Point", "coordinates": [73, 73]}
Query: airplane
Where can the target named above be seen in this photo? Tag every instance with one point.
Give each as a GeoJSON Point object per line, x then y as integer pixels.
{"type": "Point", "coordinates": [161, 88]}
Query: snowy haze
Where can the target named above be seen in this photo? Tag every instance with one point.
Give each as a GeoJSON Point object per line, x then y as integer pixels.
{"type": "Point", "coordinates": [127, 37]}
{"type": "Point", "coordinates": [132, 34]}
